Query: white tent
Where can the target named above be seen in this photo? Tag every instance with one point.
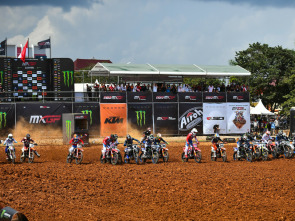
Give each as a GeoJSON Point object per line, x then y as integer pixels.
{"type": "Point", "coordinates": [259, 109]}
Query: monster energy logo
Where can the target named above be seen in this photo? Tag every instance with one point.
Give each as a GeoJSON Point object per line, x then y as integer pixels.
{"type": "Point", "coordinates": [2, 214]}
{"type": "Point", "coordinates": [69, 128]}
{"type": "Point", "coordinates": [90, 114]}
{"type": "Point", "coordinates": [68, 78]}
{"type": "Point", "coordinates": [3, 116]}
{"type": "Point", "coordinates": [1, 73]}
{"type": "Point", "coordinates": [140, 116]}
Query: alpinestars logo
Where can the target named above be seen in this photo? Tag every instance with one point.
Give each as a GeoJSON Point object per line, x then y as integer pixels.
{"type": "Point", "coordinates": [215, 118]}
{"type": "Point", "coordinates": [48, 119]}
{"type": "Point", "coordinates": [140, 98]}
{"type": "Point", "coordinates": [191, 118]}
{"type": "Point", "coordinates": [165, 97]}
{"type": "Point", "coordinates": [112, 97]}
{"type": "Point", "coordinates": [113, 120]}
{"type": "Point", "coordinates": [191, 98]}
{"type": "Point", "coordinates": [214, 97]}
{"type": "Point", "coordinates": [166, 118]}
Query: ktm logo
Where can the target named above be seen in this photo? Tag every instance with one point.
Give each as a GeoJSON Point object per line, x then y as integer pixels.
{"type": "Point", "coordinates": [113, 120]}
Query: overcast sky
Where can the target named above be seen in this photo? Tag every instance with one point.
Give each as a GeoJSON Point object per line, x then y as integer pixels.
{"type": "Point", "coordinates": [202, 32]}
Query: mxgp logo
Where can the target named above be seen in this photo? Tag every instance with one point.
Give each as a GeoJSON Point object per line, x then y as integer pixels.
{"type": "Point", "coordinates": [113, 97]}
{"type": "Point", "coordinates": [48, 119]}
{"type": "Point", "coordinates": [165, 97]}
{"type": "Point", "coordinates": [141, 98]}
{"type": "Point", "coordinates": [214, 97]}
{"type": "Point", "coordinates": [166, 118]}
{"type": "Point", "coordinates": [239, 98]}
{"type": "Point", "coordinates": [113, 120]}
{"type": "Point", "coordinates": [191, 98]}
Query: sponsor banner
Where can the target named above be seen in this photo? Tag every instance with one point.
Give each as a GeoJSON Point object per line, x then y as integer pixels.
{"type": "Point", "coordinates": [214, 97]}
{"type": "Point", "coordinates": [164, 97]}
{"type": "Point", "coordinates": [112, 97]}
{"type": "Point", "coordinates": [43, 114]}
{"type": "Point", "coordinates": [190, 116]}
{"type": "Point", "coordinates": [238, 118]}
{"type": "Point", "coordinates": [166, 118]}
{"type": "Point", "coordinates": [140, 117]}
{"type": "Point", "coordinates": [190, 97]}
{"type": "Point", "coordinates": [214, 114]}
{"type": "Point", "coordinates": [139, 97]}
{"type": "Point", "coordinates": [7, 117]}
{"type": "Point", "coordinates": [113, 118]}
{"type": "Point", "coordinates": [238, 97]}
{"type": "Point", "coordinates": [92, 109]}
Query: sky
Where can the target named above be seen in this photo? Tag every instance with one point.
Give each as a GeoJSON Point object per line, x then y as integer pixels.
{"type": "Point", "coordinates": [201, 32]}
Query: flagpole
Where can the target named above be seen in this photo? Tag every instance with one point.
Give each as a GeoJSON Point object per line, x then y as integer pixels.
{"type": "Point", "coordinates": [50, 45]}
{"type": "Point", "coordinates": [28, 48]}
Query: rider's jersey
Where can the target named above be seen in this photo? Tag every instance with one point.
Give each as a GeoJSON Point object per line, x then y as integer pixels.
{"type": "Point", "coordinates": [75, 141]}
{"type": "Point", "coordinates": [107, 141]}
{"type": "Point", "coordinates": [158, 140]}
{"type": "Point", "coordinates": [9, 141]}
{"type": "Point", "coordinates": [27, 141]}
{"type": "Point", "coordinates": [216, 139]}
{"type": "Point", "coordinates": [190, 137]}
{"type": "Point", "coordinates": [266, 137]}
{"type": "Point", "coordinates": [280, 137]}
{"type": "Point", "coordinates": [129, 142]}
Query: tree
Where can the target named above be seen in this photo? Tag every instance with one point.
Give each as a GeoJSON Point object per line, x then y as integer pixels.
{"type": "Point", "coordinates": [271, 69]}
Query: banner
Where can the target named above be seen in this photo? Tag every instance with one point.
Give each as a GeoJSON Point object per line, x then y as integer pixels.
{"type": "Point", "coordinates": [238, 97]}
{"type": "Point", "coordinates": [164, 97]}
{"type": "Point", "coordinates": [140, 117]}
{"type": "Point", "coordinates": [45, 114]}
{"type": "Point", "coordinates": [139, 97]}
{"type": "Point", "coordinates": [166, 118]}
{"type": "Point", "coordinates": [190, 116]}
{"type": "Point", "coordinates": [214, 97]}
{"type": "Point", "coordinates": [44, 44]}
{"type": "Point", "coordinates": [7, 117]}
{"type": "Point", "coordinates": [92, 109]}
{"type": "Point", "coordinates": [3, 47]}
{"type": "Point", "coordinates": [113, 118]}
{"type": "Point", "coordinates": [214, 114]}
{"type": "Point", "coordinates": [238, 118]}
{"type": "Point", "coordinates": [190, 97]}
{"type": "Point", "coordinates": [112, 97]}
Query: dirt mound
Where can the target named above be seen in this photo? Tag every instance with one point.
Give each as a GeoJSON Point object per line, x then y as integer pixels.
{"type": "Point", "coordinates": [51, 189]}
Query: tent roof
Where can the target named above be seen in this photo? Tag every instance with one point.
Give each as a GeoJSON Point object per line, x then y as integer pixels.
{"type": "Point", "coordinates": [103, 69]}
{"type": "Point", "coordinates": [260, 109]}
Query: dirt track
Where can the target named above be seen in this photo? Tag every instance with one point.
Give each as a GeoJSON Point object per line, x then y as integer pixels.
{"type": "Point", "coordinates": [51, 189]}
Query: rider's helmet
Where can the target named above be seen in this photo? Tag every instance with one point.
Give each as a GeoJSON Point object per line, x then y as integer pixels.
{"type": "Point", "coordinates": [149, 129]}
{"type": "Point", "coordinates": [280, 132]}
{"type": "Point", "coordinates": [75, 136]}
{"type": "Point", "coordinates": [151, 137]}
{"type": "Point", "coordinates": [194, 131]}
{"type": "Point", "coordinates": [10, 136]}
{"type": "Point", "coordinates": [245, 137]}
{"type": "Point", "coordinates": [128, 137]}
{"type": "Point", "coordinates": [28, 136]}
{"type": "Point", "coordinates": [116, 136]}
{"type": "Point", "coordinates": [159, 135]}
{"type": "Point", "coordinates": [112, 137]}
{"type": "Point", "coordinates": [268, 132]}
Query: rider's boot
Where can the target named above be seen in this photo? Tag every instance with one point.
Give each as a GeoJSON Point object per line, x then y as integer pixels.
{"type": "Point", "coordinates": [7, 156]}
{"type": "Point", "coordinates": [38, 155]}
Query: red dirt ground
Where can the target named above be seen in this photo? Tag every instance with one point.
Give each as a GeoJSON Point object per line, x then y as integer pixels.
{"type": "Point", "coordinates": [51, 189]}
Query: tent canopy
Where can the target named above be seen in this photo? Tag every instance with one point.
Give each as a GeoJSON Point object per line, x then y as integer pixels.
{"type": "Point", "coordinates": [161, 71]}
{"type": "Point", "coordinates": [260, 109]}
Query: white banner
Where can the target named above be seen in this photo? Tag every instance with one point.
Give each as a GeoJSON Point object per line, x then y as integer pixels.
{"type": "Point", "coordinates": [214, 114]}
{"type": "Point", "coordinates": [238, 118]}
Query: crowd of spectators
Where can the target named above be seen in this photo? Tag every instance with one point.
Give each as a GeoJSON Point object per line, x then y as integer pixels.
{"type": "Point", "coordinates": [263, 124]}
{"type": "Point", "coordinates": [162, 87]}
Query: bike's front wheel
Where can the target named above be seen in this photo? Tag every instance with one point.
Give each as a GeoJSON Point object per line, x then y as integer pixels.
{"type": "Point", "coordinates": [79, 157]}
{"type": "Point", "coordinates": [224, 156]}
{"type": "Point", "coordinates": [165, 156]}
{"type": "Point", "coordinates": [155, 157]}
{"type": "Point", "coordinates": [31, 158]}
{"type": "Point", "coordinates": [198, 156]}
{"type": "Point", "coordinates": [114, 159]}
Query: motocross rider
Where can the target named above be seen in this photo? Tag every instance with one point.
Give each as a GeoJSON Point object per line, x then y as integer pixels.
{"type": "Point", "coordinates": [74, 141]}
{"type": "Point", "coordinates": [128, 143]}
{"type": "Point", "coordinates": [280, 137]}
{"type": "Point", "coordinates": [106, 143]}
{"type": "Point", "coordinates": [148, 143]}
{"type": "Point", "coordinates": [266, 138]}
{"type": "Point", "coordinates": [158, 139]}
{"type": "Point", "coordinates": [9, 142]}
{"type": "Point", "coordinates": [216, 138]}
{"type": "Point", "coordinates": [27, 140]}
{"type": "Point", "coordinates": [189, 140]}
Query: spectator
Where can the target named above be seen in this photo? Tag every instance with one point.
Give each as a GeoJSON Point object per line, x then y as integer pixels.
{"type": "Point", "coordinates": [255, 126]}
{"type": "Point", "coordinates": [210, 88]}
{"type": "Point", "coordinates": [143, 88]}
{"type": "Point", "coordinates": [89, 92]}
{"type": "Point", "coordinates": [168, 89]}
{"type": "Point", "coordinates": [173, 89]}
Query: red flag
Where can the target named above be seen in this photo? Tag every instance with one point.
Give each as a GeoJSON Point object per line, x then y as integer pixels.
{"type": "Point", "coordinates": [23, 54]}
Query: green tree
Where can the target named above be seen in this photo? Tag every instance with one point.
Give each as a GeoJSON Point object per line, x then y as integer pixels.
{"type": "Point", "coordinates": [271, 69]}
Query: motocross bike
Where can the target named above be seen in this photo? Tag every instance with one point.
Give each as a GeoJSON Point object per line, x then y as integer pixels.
{"type": "Point", "coordinates": [77, 155]}
{"type": "Point", "coordinates": [11, 154]}
{"type": "Point", "coordinates": [284, 148]}
{"type": "Point", "coordinates": [163, 152]}
{"type": "Point", "coordinates": [192, 153]}
{"type": "Point", "coordinates": [28, 153]}
{"type": "Point", "coordinates": [112, 155]}
{"type": "Point", "coordinates": [149, 152]}
{"type": "Point", "coordinates": [244, 152]}
{"type": "Point", "coordinates": [131, 152]}
{"type": "Point", "coordinates": [256, 150]}
{"type": "Point", "coordinates": [219, 153]}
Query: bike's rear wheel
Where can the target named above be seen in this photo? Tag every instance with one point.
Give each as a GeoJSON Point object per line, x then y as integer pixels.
{"type": "Point", "coordinates": [22, 158]}
{"type": "Point", "coordinates": [136, 157]}
{"type": "Point", "coordinates": [69, 158]}
{"type": "Point", "coordinates": [155, 157]}
{"type": "Point", "coordinates": [198, 157]}
{"type": "Point", "coordinates": [79, 157]}
{"type": "Point", "coordinates": [126, 160]}
{"type": "Point", "coordinates": [183, 158]}
{"type": "Point", "coordinates": [102, 160]}
{"type": "Point", "coordinates": [165, 156]}
{"type": "Point", "coordinates": [142, 159]}
{"type": "Point", "coordinates": [213, 158]}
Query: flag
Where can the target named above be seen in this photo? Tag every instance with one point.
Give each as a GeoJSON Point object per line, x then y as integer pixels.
{"type": "Point", "coordinates": [23, 54]}
{"type": "Point", "coordinates": [44, 44]}
{"type": "Point", "coordinates": [3, 47]}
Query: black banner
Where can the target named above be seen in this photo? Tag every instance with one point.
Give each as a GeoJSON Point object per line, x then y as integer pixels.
{"type": "Point", "coordinates": [190, 116]}
{"type": "Point", "coordinates": [3, 47]}
{"type": "Point", "coordinates": [164, 97]}
{"type": "Point", "coordinates": [7, 117]}
{"type": "Point", "coordinates": [112, 97]}
{"type": "Point", "coordinates": [139, 97]}
{"type": "Point", "coordinates": [93, 110]}
{"type": "Point", "coordinates": [43, 113]}
{"type": "Point", "coordinates": [213, 97]}
{"type": "Point", "coordinates": [140, 117]}
{"type": "Point", "coordinates": [238, 97]}
{"type": "Point", "coordinates": [166, 118]}
{"type": "Point", "coordinates": [190, 97]}
{"type": "Point", "coordinates": [44, 44]}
